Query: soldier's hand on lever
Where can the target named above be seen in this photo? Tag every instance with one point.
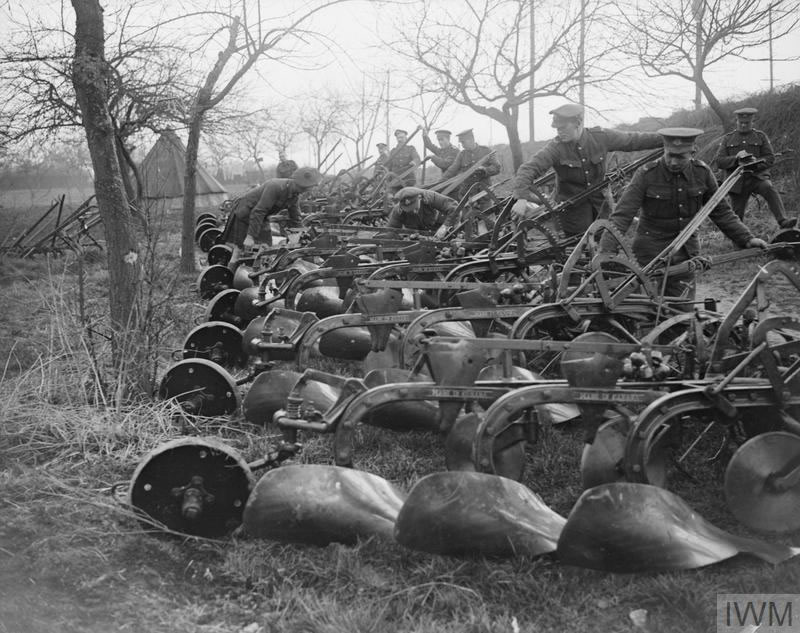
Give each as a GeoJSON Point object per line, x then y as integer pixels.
{"type": "Point", "coordinates": [249, 241]}
{"type": "Point", "coordinates": [756, 242]}
{"type": "Point", "coordinates": [441, 232]}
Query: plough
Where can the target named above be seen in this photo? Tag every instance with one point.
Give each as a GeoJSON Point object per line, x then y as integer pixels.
{"type": "Point", "coordinates": [649, 383]}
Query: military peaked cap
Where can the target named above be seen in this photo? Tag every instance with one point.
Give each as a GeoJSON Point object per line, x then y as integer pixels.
{"type": "Point", "coordinates": [568, 111]}
{"type": "Point", "coordinates": [379, 145]}
{"type": "Point", "coordinates": [680, 138]}
{"type": "Point", "coordinates": [306, 177]}
{"type": "Point", "coordinates": [407, 196]}
{"type": "Point", "coordinates": [400, 131]}
{"type": "Point", "coordinates": [745, 111]}
{"type": "Point", "coordinates": [465, 133]}
{"type": "Point", "coordinates": [443, 132]}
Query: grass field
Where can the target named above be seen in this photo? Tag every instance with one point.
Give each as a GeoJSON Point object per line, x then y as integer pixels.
{"type": "Point", "coordinates": [72, 559]}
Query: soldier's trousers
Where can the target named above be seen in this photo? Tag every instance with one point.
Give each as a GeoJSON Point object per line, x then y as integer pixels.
{"type": "Point", "coordinates": [763, 188]}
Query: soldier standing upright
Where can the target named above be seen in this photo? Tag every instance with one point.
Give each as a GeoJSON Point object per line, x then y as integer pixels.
{"type": "Point", "coordinates": [470, 154]}
{"type": "Point", "coordinates": [403, 159]}
{"type": "Point", "coordinates": [383, 156]}
{"type": "Point", "coordinates": [445, 153]}
{"type": "Point", "coordinates": [740, 147]}
{"type": "Point", "coordinates": [578, 156]}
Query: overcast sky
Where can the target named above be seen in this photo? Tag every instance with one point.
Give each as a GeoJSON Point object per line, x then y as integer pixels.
{"type": "Point", "coordinates": [355, 54]}
{"type": "Point", "coordinates": [358, 28]}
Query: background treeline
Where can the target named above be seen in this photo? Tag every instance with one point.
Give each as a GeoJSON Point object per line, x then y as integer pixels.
{"type": "Point", "coordinates": [779, 117]}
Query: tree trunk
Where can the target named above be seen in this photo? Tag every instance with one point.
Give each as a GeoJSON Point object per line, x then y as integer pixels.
{"type": "Point", "coordinates": [190, 191]}
{"type": "Point", "coordinates": [717, 107]}
{"type": "Point", "coordinates": [514, 142]}
{"type": "Point", "coordinates": [89, 77]}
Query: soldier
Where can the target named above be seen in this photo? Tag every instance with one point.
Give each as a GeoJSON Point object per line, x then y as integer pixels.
{"type": "Point", "coordinates": [424, 210]}
{"type": "Point", "coordinates": [669, 192]}
{"type": "Point", "coordinates": [578, 156]}
{"type": "Point", "coordinates": [401, 159]}
{"type": "Point", "coordinates": [445, 153]}
{"type": "Point", "coordinates": [743, 145]}
{"type": "Point", "coordinates": [286, 167]}
{"type": "Point", "coordinates": [466, 158]}
{"type": "Point", "coordinates": [248, 222]}
{"type": "Point", "coordinates": [383, 156]}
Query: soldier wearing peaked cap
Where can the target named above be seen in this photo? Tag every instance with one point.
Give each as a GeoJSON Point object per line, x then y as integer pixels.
{"type": "Point", "coordinates": [403, 158]}
{"type": "Point", "coordinates": [445, 153]}
{"type": "Point", "coordinates": [666, 194]}
{"type": "Point", "coordinates": [423, 209]}
{"type": "Point", "coordinates": [744, 145]}
{"type": "Point", "coordinates": [248, 222]}
{"type": "Point", "coordinates": [465, 159]}
{"type": "Point", "coordinates": [578, 157]}
{"type": "Point", "coordinates": [383, 156]}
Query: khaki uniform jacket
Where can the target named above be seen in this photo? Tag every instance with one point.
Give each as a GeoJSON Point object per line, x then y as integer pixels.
{"type": "Point", "coordinates": [579, 165]}
{"type": "Point", "coordinates": [258, 203]}
{"type": "Point", "coordinates": [435, 209]}
{"type": "Point", "coordinates": [466, 158]}
{"type": "Point", "coordinates": [668, 201]}
{"type": "Point", "coordinates": [442, 157]}
{"type": "Point", "coordinates": [400, 159]}
{"type": "Point", "coordinates": [754, 142]}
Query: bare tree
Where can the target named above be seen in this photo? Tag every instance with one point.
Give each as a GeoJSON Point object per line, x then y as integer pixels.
{"type": "Point", "coordinates": [91, 78]}
{"type": "Point", "coordinates": [321, 119]}
{"type": "Point", "coordinates": [246, 39]}
{"type": "Point", "coordinates": [220, 149]}
{"type": "Point", "coordinates": [686, 38]}
{"type": "Point", "coordinates": [252, 133]}
{"type": "Point", "coordinates": [359, 118]}
{"type": "Point", "coordinates": [476, 51]}
{"type": "Point", "coordinates": [37, 98]}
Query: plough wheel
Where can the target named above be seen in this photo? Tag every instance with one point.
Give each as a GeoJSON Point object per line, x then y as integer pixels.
{"type": "Point", "coordinates": [214, 279]}
{"type": "Point", "coordinates": [219, 254]}
{"type": "Point", "coordinates": [222, 307]}
{"type": "Point", "coordinates": [762, 482]}
{"type": "Point", "coordinates": [200, 387]}
{"type": "Point", "coordinates": [203, 217]}
{"type": "Point", "coordinates": [192, 486]}
{"type": "Point", "coordinates": [208, 238]}
{"type": "Point", "coordinates": [682, 433]}
{"type": "Point", "coordinates": [217, 341]}
{"type": "Point", "coordinates": [202, 227]}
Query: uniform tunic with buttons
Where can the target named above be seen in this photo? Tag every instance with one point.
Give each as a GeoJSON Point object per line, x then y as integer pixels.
{"type": "Point", "coordinates": [754, 179]}
{"type": "Point", "coordinates": [579, 165]}
{"type": "Point", "coordinates": [668, 201]}
{"type": "Point", "coordinates": [403, 158]}
{"type": "Point", "coordinates": [754, 142]}
{"type": "Point", "coordinates": [465, 159]}
{"type": "Point", "coordinates": [435, 209]}
{"type": "Point", "coordinates": [442, 157]}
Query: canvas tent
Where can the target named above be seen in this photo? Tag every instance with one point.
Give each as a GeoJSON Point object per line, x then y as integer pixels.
{"type": "Point", "coordinates": [162, 172]}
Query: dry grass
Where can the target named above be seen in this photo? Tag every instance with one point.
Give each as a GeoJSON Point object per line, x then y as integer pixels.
{"type": "Point", "coordinates": [73, 559]}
